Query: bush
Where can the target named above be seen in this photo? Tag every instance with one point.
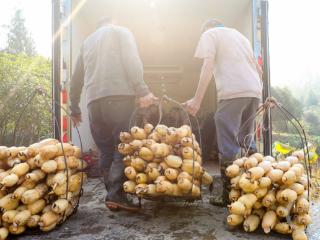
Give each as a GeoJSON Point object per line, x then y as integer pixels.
{"type": "Point", "coordinates": [294, 140]}
{"type": "Point", "coordinates": [22, 123]}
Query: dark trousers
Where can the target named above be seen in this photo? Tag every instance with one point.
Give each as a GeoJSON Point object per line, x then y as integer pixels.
{"type": "Point", "coordinates": [108, 117]}
{"type": "Point", "coordinates": [235, 129]}
{"type": "Point", "coordinates": [209, 137]}
{"type": "Point", "coordinates": [235, 125]}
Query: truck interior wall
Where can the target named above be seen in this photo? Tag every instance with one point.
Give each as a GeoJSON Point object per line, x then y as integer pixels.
{"type": "Point", "coordinates": [167, 32]}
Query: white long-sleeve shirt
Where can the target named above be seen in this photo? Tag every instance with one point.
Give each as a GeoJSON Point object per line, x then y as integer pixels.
{"type": "Point", "coordinates": [108, 65]}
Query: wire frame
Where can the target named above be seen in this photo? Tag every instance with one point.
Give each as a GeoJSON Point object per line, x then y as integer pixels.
{"type": "Point", "coordinates": [41, 92]}
{"type": "Point", "coordinates": [164, 99]}
{"type": "Point", "coordinates": [254, 116]}
{"type": "Point", "coordinates": [272, 104]}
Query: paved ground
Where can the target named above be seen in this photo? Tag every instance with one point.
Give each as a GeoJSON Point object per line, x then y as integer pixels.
{"type": "Point", "coordinates": [175, 221]}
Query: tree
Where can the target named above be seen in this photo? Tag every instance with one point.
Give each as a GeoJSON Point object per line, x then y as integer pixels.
{"type": "Point", "coordinates": [25, 115]}
{"type": "Point", "coordinates": [23, 122]}
{"type": "Point", "coordinates": [288, 100]}
{"type": "Point", "coordinates": [19, 39]}
{"type": "Point", "coordinates": [311, 99]}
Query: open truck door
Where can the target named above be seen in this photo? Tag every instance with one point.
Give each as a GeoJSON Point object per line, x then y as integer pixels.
{"type": "Point", "coordinates": [167, 32]}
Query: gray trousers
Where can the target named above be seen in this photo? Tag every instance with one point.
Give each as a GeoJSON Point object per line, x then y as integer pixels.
{"type": "Point", "coordinates": [108, 117]}
{"type": "Point", "coordinates": [235, 125]}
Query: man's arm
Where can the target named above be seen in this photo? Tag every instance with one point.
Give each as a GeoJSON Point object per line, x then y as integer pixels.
{"type": "Point", "coordinates": [76, 85]}
{"type": "Point", "coordinates": [206, 50]}
{"type": "Point", "coordinates": [193, 105]}
{"type": "Point", "coordinates": [205, 77]}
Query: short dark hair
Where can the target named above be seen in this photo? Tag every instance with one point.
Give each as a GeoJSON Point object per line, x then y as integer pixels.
{"type": "Point", "coordinates": [210, 23]}
{"type": "Point", "coordinates": [104, 21]}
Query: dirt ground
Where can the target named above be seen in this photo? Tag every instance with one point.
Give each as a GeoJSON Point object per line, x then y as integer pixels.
{"type": "Point", "coordinates": [157, 221]}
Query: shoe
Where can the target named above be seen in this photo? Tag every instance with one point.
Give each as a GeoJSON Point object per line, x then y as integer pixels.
{"type": "Point", "coordinates": [122, 204]}
{"type": "Point", "coordinates": [223, 200]}
{"type": "Point", "coordinates": [251, 151]}
{"type": "Point", "coordinates": [217, 201]}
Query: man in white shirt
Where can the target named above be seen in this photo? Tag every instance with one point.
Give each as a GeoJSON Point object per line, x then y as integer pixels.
{"type": "Point", "coordinates": [228, 56]}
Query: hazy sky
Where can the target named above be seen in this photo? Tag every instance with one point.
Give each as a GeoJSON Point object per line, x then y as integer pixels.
{"type": "Point", "coordinates": [294, 41]}
{"type": "Point", "coordinates": [38, 20]}
{"type": "Point", "coordinates": [294, 35]}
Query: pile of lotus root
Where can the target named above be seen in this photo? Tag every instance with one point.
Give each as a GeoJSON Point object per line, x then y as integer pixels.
{"type": "Point", "coordinates": [162, 161]}
{"type": "Point", "coordinates": [271, 193]}
{"type": "Point", "coordinates": [40, 185]}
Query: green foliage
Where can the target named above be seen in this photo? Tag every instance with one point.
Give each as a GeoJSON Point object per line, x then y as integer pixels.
{"type": "Point", "coordinates": [311, 99]}
{"type": "Point", "coordinates": [311, 117]}
{"type": "Point", "coordinates": [308, 115]}
{"type": "Point", "coordinates": [25, 116]}
{"type": "Point", "coordinates": [294, 140]}
{"type": "Point", "coordinates": [19, 39]}
{"type": "Point", "coordinates": [20, 75]}
{"type": "Point", "coordinates": [307, 91]}
{"type": "Point", "coordinates": [291, 103]}
{"type": "Point", "coordinates": [288, 100]}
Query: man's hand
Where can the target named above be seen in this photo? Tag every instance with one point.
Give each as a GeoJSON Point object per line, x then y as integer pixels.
{"type": "Point", "coordinates": [192, 106]}
{"type": "Point", "coordinates": [76, 120]}
{"type": "Point", "coordinates": [147, 100]}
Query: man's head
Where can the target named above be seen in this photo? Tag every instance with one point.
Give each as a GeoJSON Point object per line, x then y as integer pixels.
{"type": "Point", "coordinates": [104, 21]}
{"type": "Point", "coordinates": [211, 23]}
